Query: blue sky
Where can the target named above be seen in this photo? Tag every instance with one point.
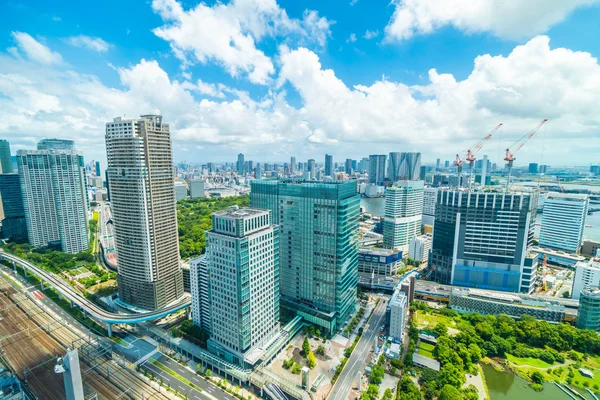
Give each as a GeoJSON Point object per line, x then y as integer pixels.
{"type": "Point", "coordinates": [275, 79]}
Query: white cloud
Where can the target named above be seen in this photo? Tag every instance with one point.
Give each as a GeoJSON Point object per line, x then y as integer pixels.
{"type": "Point", "coordinates": [353, 2]}
{"type": "Point", "coordinates": [511, 19]}
{"type": "Point", "coordinates": [92, 43]}
{"type": "Point", "coordinates": [34, 50]}
{"type": "Point", "coordinates": [228, 33]}
{"type": "Point", "coordinates": [371, 34]}
{"type": "Point", "coordinates": [351, 38]}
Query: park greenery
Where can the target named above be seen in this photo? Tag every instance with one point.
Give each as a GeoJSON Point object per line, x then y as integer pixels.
{"type": "Point", "coordinates": [194, 218]}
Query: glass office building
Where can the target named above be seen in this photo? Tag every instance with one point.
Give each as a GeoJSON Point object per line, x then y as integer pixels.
{"type": "Point", "coordinates": [318, 246]}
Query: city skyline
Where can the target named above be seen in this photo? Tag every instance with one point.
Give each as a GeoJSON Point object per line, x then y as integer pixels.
{"type": "Point", "coordinates": [304, 85]}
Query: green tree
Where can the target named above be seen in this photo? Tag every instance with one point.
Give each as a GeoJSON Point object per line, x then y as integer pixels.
{"type": "Point", "coordinates": [387, 395]}
{"type": "Point", "coordinates": [377, 373]}
{"type": "Point", "coordinates": [537, 377]}
{"type": "Point", "coordinates": [208, 373]}
{"type": "Point", "coordinates": [449, 392]}
{"type": "Point", "coordinates": [321, 350]}
{"type": "Point", "coordinates": [372, 393]}
{"type": "Point", "coordinates": [305, 347]}
{"type": "Point", "coordinates": [296, 368]}
{"type": "Point", "coordinates": [451, 375]}
{"type": "Point", "coordinates": [312, 361]}
{"type": "Point", "coordinates": [407, 390]}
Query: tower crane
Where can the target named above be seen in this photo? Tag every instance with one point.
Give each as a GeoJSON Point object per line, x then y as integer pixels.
{"type": "Point", "coordinates": [470, 157]}
{"type": "Point", "coordinates": [510, 156]}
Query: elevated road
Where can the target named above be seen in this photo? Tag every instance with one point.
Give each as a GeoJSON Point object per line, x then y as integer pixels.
{"type": "Point", "coordinates": [88, 306]}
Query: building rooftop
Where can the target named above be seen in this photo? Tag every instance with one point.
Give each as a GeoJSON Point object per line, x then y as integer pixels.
{"type": "Point", "coordinates": [566, 196]}
{"type": "Point", "coordinates": [240, 213]}
{"type": "Point", "coordinates": [377, 251]}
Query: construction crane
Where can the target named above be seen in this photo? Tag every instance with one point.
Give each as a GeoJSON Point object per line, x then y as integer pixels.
{"type": "Point", "coordinates": [471, 154]}
{"type": "Point", "coordinates": [470, 157]}
{"type": "Point", "coordinates": [510, 156]}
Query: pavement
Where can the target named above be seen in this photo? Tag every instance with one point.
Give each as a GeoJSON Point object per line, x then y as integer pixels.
{"type": "Point", "coordinates": [358, 360]}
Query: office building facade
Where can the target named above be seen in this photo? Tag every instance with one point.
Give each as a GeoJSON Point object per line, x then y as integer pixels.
{"type": "Point", "coordinates": [14, 225]}
{"type": "Point", "coordinates": [384, 262]}
{"type": "Point", "coordinates": [181, 190]}
{"type": "Point", "coordinates": [429, 200]}
{"type": "Point", "coordinates": [483, 240]}
{"type": "Point", "coordinates": [419, 248]}
{"type": "Point", "coordinates": [318, 245]}
{"type": "Point", "coordinates": [328, 165]}
{"type": "Point", "coordinates": [402, 217]}
{"type": "Point", "coordinates": [563, 221]}
{"type": "Point", "coordinates": [588, 315]}
{"type": "Point", "coordinates": [142, 191]}
{"type": "Point", "coordinates": [6, 166]}
{"type": "Point", "coordinates": [196, 188]}
{"type": "Point", "coordinates": [587, 273]}
{"type": "Point", "coordinates": [312, 169]}
{"type": "Point", "coordinates": [240, 165]}
{"type": "Point", "coordinates": [200, 291]}
{"type": "Point", "coordinates": [398, 312]}
{"type": "Point", "coordinates": [377, 169]}
{"type": "Point", "coordinates": [348, 166]}
{"type": "Point", "coordinates": [54, 198]}
{"type": "Point", "coordinates": [242, 253]}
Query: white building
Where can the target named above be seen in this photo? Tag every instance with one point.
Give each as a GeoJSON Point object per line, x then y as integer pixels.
{"type": "Point", "coordinates": [586, 274]}
{"type": "Point", "coordinates": [563, 221]}
{"type": "Point", "coordinates": [55, 198]}
{"type": "Point", "coordinates": [398, 308]}
{"type": "Point", "coordinates": [181, 190]}
{"type": "Point", "coordinates": [196, 188]}
{"type": "Point", "coordinates": [200, 292]}
{"type": "Point", "coordinates": [403, 211]}
{"type": "Point", "coordinates": [419, 248]}
{"type": "Point", "coordinates": [429, 200]}
{"type": "Point", "coordinates": [243, 265]}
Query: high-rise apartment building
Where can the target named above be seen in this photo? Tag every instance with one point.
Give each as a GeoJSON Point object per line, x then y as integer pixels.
{"type": "Point", "coordinates": [54, 197]}
{"type": "Point", "coordinates": [242, 253]}
{"type": "Point", "coordinates": [312, 169]}
{"type": "Point", "coordinates": [318, 224]}
{"type": "Point", "coordinates": [403, 211]}
{"type": "Point", "coordinates": [587, 273]}
{"type": "Point", "coordinates": [419, 248]}
{"type": "Point", "coordinates": [429, 200]}
{"type": "Point", "coordinates": [483, 239]}
{"type": "Point", "coordinates": [563, 221]}
{"type": "Point", "coordinates": [328, 165]}
{"type": "Point", "coordinates": [14, 226]}
{"type": "Point", "coordinates": [377, 169]}
{"type": "Point", "coordinates": [348, 166]}
{"type": "Point", "coordinates": [6, 166]}
{"type": "Point", "coordinates": [398, 312]}
{"type": "Point", "coordinates": [199, 288]}
{"type": "Point", "coordinates": [241, 164]}
{"type": "Point", "coordinates": [588, 314]}
{"type": "Point", "coordinates": [142, 191]}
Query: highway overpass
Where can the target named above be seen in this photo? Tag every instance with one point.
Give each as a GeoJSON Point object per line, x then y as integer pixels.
{"type": "Point", "coordinates": [89, 307]}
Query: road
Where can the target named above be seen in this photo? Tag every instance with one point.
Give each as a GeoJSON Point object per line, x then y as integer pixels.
{"type": "Point", "coordinates": [358, 360]}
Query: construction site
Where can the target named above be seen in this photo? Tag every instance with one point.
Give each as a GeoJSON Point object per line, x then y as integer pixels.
{"type": "Point", "coordinates": [31, 341]}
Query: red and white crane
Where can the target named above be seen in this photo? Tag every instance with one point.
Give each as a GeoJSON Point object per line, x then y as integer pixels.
{"type": "Point", "coordinates": [471, 157]}
{"type": "Point", "coordinates": [510, 155]}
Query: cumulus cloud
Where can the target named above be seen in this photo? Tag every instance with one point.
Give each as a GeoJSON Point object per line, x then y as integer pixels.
{"type": "Point", "coordinates": [91, 43]}
{"type": "Point", "coordinates": [34, 50]}
{"type": "Point", "coordinates": [228, 33]}
{"type": "Point", "coordinates": [512, 19]}
{"type": "Point", "coordinates": [351, 38]}
{"type": "Point", "coordinates": [371, 34]}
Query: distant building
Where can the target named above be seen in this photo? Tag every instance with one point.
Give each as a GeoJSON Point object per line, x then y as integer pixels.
{"type": "Point", "coordinates": [319, 224]}
{"type": "Point", "coordinates": [403, 210]}
{"type": "Point", "coordinates": [181, 190]}
{"type": "Point", "coordinates": [483, 240]}
{"type": "Point", "coordinates": [437, 164]}
{"type": "Point", "coordinates": [197, 188]}
{"type": "Point", "coordinates": [429, 200]}
{"type": "Point", "coordinates": [200, 290]}
{"type": "Point", "coordinates": [466, 300]}
{"type": "Point", "coordinates": [292, 165]}
{"type": "Point", "coordinates": [384, 262]}
{"type": "Point", "coordinates": [404, 166]}
{"type": "Point", "coordinates": [588, 316]}
{"type": "Point", "coordinates": [312, 169]}
{"type": "Point", "coordinates": [363, 164]}
{"type": "Point", "coordinates": [14, 225]}
{"type": "Point", "coordinates": [6, 166]}
{"type": "Point", "coordinates": [419, 248]}
{"type": "Point", "coordinates": [328, 165]}
{"type": "Point", "coordinates": [543, 169]}
{"type": "Point", "coordinates": [258, 171]}
{"type": "Point", "coordinates": [590, 247]}
{"type": "Point", "coordinates": [98, 173]}
{"type": "Point", "coordinates": [377, 169]}
{"type": "Point", "coordinates": [54, 196]}
{"type": "Point", "coordinates": [348, 166]}
{"type": "Point", "coordinates": [243, 262]}
{"type": "Point", "coordinates": [587, 273]}
{"type": "Point", "coordinates": [240, 165]}
{"type": "Point", "coordinates": [533, 168]}
{"type": "Point", "coordinates": [563, 221]}
{"type": "Point", "coordinates": [398, 309]}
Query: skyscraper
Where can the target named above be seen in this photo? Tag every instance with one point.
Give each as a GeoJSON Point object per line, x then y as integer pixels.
{"type": "Point", "coordinates": [348, 166]}
{"type": "Point", "coordinates": [403, 212]}
{"type": "Point", "coordinates": [240, 166]}
{"type": "Point", "coordinates": [377, 169]}
{"type": "Point", "coordinates": [199, 288]}
{"type": "Point", "coordinates": [312, 169]}
{"type": "Point", "coordinates": [54, 197]}
{"type": "Point", "coordinates": [142, 190]}
{"type": "Point", "coordinates": [484, 169]}
{"type": "Point", "coordinates": [328, 165]}
{"type": "Point", "coordinates": [318, 224]}
{"type": "Point", "coordinates": [258, 171]}
{"type": "Point", "coordinates": [437, 165]}
{"type": "Point", "coordinates": [588, 315]}
{"type": "Point", "coordinates": [483, 239]}
{"type": "Point", "coordinates": [563, 221]}
{"type": "Point", "coordinates": [98, 168]}
{"type": "Point", "coordinates": [410, 166]}
{"type": "Point", "coordinates": [292, 165]}
{"type": "Point", "coordinates": [394, 165]}
{"type": "Point", "coordinates": [363, 164]}
{"type": "Point", "coordinates": [56, 144]}
{"type": "Point", "coordinates": [14, 226]}
{"type": "Point", "coordinates": [242, 253]}
{"type": "Point", "coordinates": [5, 159]}
{"type": "Point", "coordinates": [533, 168]}
{"type": "Point", "coordinates": [196, 188]}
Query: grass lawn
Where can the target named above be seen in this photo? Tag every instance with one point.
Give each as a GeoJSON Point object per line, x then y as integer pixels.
{"type": "Point", "coordinates": [426, 349]}
{"type": "Point", "coordinates": [528, 361]}
{"type": "Point", "coordinates": [424, 319]}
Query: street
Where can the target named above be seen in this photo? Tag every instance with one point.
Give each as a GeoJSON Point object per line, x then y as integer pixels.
{"type": "Point", "coordinates": [358, 360]}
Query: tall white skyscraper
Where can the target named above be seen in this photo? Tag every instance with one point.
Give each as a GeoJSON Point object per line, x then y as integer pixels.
{"type": "Point", "coordinates": [200, 292]}
{"type": "Point", "coordinates": [563, 221]}
{"type": "Point", "coordinates": [403, 212]}
{"type": "Point", "coordinates": [142, 192]}
{"type": "Point", "coordinates": [54, 198]}
{"type": "Point", "coordinates": [242, 252]}
{"type": "Point", "coordinates": [429, 200]}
